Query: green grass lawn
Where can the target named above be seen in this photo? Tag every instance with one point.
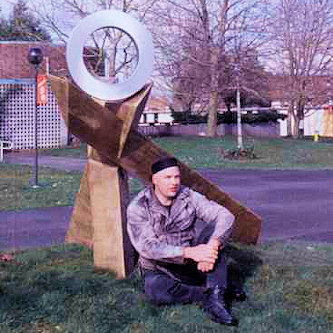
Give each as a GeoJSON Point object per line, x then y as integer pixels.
{"type": "Point", "coordinates": [58, 188]}
{"type": "Point", "coordinates": [203, 152]}
{"type": "Point", "coordinates": [290, 289]}
{"type": "Point", "coordinates": [76, 152]}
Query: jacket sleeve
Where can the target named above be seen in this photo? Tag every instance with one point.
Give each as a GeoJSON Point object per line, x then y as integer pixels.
{"type": "Point", "coordinates": [209, 211]}
{"type": "Point", "coordinates": [145, 241]}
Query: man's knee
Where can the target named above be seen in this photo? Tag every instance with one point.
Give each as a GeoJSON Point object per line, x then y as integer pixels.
{"type": "Point", "coordinates": [162, 289]}
{"type": "Point", "coordinates": [157, 288]}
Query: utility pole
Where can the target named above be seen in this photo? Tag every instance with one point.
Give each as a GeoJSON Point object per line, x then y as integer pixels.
{"type": "Point", "coordinates": [239, 114]}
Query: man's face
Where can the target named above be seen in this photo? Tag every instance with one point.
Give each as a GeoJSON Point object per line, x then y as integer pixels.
{"type": "Point", "coordinates": [167, 182]}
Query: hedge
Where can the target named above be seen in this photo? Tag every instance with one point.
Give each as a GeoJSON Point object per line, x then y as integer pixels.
{"type": "Point", "coordinates": [228, 117]}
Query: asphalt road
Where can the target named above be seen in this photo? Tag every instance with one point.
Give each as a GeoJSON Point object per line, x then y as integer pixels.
{"type": "Point", "coordinates": [292, 204]}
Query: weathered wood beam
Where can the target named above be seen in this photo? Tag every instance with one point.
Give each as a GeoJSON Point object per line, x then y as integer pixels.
{"type": "Point", "coordinates": [102, 129]}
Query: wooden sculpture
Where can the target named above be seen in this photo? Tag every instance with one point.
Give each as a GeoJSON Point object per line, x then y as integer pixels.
{"type": "Point", "coordinates": [116, 148]}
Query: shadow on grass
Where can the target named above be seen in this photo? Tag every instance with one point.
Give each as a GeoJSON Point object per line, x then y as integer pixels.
{"type": "Point", "coordinates": [242, 263]}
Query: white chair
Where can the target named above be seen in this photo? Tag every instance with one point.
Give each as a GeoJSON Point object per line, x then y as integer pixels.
{"type": "Point", "coordinates": [4, 145]}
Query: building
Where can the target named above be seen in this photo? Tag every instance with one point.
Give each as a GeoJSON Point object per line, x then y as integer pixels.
{"type": "Point", "coordinates": [157, 112]}
{"type": "Point", "coordinates": [318, 113]}
{"type": "Point", "coordinates": [17, 96]}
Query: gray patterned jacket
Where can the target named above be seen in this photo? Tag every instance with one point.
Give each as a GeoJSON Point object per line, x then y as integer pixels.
{"type": "Point", "coordinates": [159, 235]}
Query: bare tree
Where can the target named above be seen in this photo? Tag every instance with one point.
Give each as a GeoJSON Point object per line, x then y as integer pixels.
{"type": "Point", "coordinates": [246, 75]}
{"type": "Point", "coordinates": [303, 43]}
{"type": "Point", "coordinates": [201, 34]}
{"type": "Point", "coordinates": [195, 44]}
{"type": "Point", "coordinates": [109, 52]}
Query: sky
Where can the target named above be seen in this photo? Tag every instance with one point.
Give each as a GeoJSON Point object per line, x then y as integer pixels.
{"type": "Point", "coordinates": [5, 6]}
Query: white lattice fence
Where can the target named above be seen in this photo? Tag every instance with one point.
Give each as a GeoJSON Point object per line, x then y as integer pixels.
{"type": "Point", "coordinates": [17, 107]}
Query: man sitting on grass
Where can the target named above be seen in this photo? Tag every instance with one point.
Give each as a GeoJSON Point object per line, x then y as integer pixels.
{"type": "Point", "coordinates": [178, 266]}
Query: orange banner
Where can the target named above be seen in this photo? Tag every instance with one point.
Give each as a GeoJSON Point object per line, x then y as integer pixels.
{"type": "Point", "coordinates": [42, 89]}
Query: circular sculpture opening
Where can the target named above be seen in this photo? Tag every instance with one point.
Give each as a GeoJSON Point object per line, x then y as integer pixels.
{"type": "Point", "coordinates": [110, 55]}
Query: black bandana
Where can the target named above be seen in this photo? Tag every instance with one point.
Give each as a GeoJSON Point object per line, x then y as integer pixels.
{"type": "Point", "coordinates": [163, 163]}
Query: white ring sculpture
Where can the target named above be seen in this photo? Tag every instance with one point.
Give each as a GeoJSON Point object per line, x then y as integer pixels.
{"type": "Point", "coordinates": [101, 89]}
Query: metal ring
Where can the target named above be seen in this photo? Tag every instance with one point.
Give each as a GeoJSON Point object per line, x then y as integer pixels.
{"type": "Point", "coordinates": [94, 86]}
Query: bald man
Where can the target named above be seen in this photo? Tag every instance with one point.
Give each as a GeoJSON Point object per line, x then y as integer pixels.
{"type": "Point", "coordinates": [178, 266]}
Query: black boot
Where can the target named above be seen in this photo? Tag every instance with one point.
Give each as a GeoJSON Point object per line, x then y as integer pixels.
{"type": "Point", "coordinates": [215, 307]}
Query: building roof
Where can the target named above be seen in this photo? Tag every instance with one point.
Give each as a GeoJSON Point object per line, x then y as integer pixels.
{"type": "Point", "coordinates": [15, 65]}
{"type": "Point", "coordinates": [319, 88]}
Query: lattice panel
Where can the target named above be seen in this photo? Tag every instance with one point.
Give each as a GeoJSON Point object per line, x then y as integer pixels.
{"type": "Point", "coordinates": [17, 107]}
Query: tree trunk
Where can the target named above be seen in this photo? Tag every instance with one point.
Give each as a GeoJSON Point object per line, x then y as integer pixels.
{"type": "Point", "coordinates": [300, 126]}
{"type": "Point", "coordinates": [300, 113]}
{"type": "Point", "coordinates": [295, 128]}
{"type": "Point", "coordinates": [289, 119]}
{"type": "Point", "coordinates": [213, 99]}
{"type": "Point", "coordinates": [215, 56]}
{"type": "Point", "coordinates": [212, 116]}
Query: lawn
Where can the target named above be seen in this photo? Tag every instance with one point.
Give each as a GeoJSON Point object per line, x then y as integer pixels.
{"type": "Point", "coordinates": [58, 188]}
{"type": "Point", "coordinates": [290, 289]}
{"type": "Point", "coordinates": [290, 284]}
{"type": "Point", "coordinates": [203, 152]}
{"type": "Point", "coordinates": [79, 151]}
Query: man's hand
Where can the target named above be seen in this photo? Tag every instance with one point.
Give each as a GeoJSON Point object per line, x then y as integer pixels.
{"type": "Point", "coordinates": [204, 266]}
{"type": "Point", "coordinates": [201, 253]}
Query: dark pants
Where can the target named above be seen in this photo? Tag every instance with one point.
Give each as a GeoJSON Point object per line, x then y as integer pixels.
{"type": "Point", "coordinates": [174, 283]}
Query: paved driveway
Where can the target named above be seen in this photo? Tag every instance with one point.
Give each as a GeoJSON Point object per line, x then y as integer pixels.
{"type": "Point", "coordinates": [293, 205]}
{"type": "Point", "coordinates": [33, 228]}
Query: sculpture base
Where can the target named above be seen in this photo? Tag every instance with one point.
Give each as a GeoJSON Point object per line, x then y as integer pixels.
{"type": "Point", "coordinates": [99, 218]}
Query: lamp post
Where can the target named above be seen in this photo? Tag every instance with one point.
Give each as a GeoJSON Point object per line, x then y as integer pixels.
{"type": "Point", "coordinates": [35, 57]}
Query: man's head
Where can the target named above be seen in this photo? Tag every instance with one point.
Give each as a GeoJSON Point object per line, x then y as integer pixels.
{"type": "Point", "coordinates": [166, 179]}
